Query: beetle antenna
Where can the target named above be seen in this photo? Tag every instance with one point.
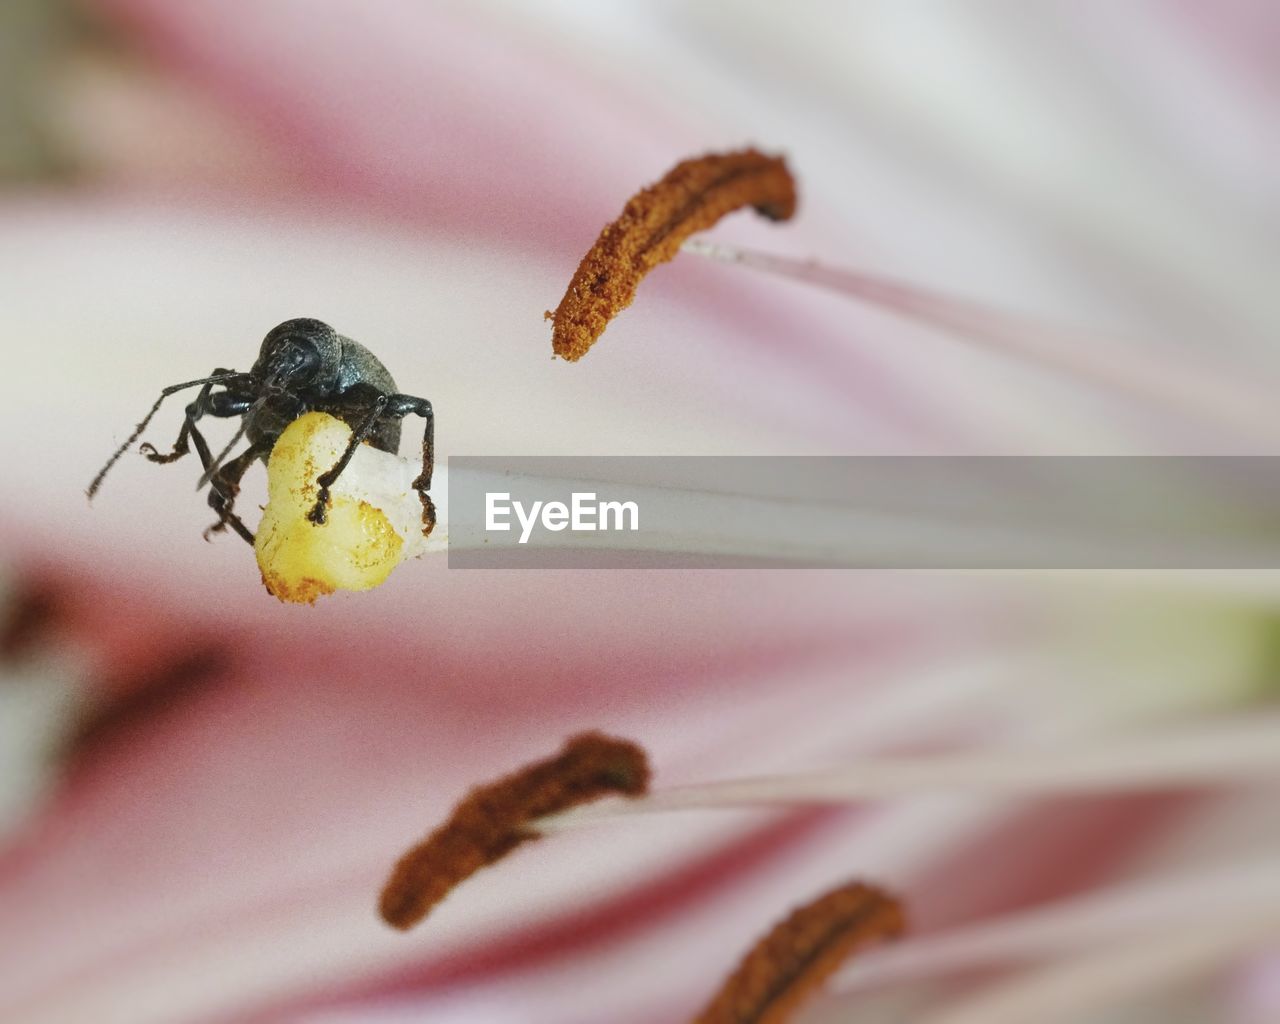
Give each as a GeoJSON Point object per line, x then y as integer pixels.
{"type": "Point", "coordinates": [137, 431]}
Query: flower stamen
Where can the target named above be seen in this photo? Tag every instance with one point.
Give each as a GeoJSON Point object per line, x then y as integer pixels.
{"type": "Point", "coordinates": [29, 612]}
{"type": "Point", "coordinates": [691, 197]}
{"type": "Point", "coordinates": [801, 952]}
{"type": "Point", "coordinates": [492, 820]}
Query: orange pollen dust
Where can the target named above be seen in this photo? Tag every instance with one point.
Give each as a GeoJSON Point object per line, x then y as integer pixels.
{"type": "Point", "coordinates": [801, 952]}
{"type": "Point", "coordinates": [691, 197]}
{"type": "Point", "coordinates": [492, 820]}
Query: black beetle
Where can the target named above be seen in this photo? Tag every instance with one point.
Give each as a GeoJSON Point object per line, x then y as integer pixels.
{"type": "Point", "coordinates": [303, 365]}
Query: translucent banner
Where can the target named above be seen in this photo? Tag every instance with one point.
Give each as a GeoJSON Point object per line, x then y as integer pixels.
{"type": "Point", "coordinates": [865, 512]}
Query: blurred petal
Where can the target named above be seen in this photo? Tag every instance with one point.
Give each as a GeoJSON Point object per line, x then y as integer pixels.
{"type": "Point", "coordinates": [239, 775]}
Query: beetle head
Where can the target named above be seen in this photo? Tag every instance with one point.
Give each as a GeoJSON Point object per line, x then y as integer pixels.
{"type": "Point", "coordinates": [300, 353]}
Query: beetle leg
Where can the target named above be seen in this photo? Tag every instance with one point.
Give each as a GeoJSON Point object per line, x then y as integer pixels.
{"type": "Point", "coordinates": [326, 480]}
{"type": "Point", "coordinates": [224, 485]}
{"type": "Point", "coordinates": [224, 404]}
{"type": "Point", "coordinates": [391, 407]}
{"type": "Point", "coordinates": [180, 447]}
{"type": "Point", "coordinates": [402, 405]}
{"type": "Point", "coordinates": [219, 376]}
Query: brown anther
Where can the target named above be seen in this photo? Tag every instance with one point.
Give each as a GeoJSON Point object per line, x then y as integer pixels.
{"type": "Point", "coordinates": [691, 197]}
{"type": "Point", "coordinates": [141, 698]}
{"type": "Point", "coordinates": [801, 952]}
{"type": "Point", "coordinates": [492, 820]}
{"type": "Point", "coordinates": [29, 614]}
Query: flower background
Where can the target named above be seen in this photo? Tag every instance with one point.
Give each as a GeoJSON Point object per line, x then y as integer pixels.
{"type": "Point", "coordinates": [203, 789]}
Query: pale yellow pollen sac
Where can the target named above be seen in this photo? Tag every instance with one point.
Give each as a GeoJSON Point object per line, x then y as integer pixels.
{"type": "Point", "coordinates": [372, 524]}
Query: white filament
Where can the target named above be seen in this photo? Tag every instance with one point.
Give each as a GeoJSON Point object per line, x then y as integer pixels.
{"type": "Point", "coordinates": [1157, 377]}
{"type": "Point", "coordinates": [1224, 752]}
{"type": "Point", "coordinates": [1241, 892]}
{"type": "Point", "coordinates": [1105, 977]}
